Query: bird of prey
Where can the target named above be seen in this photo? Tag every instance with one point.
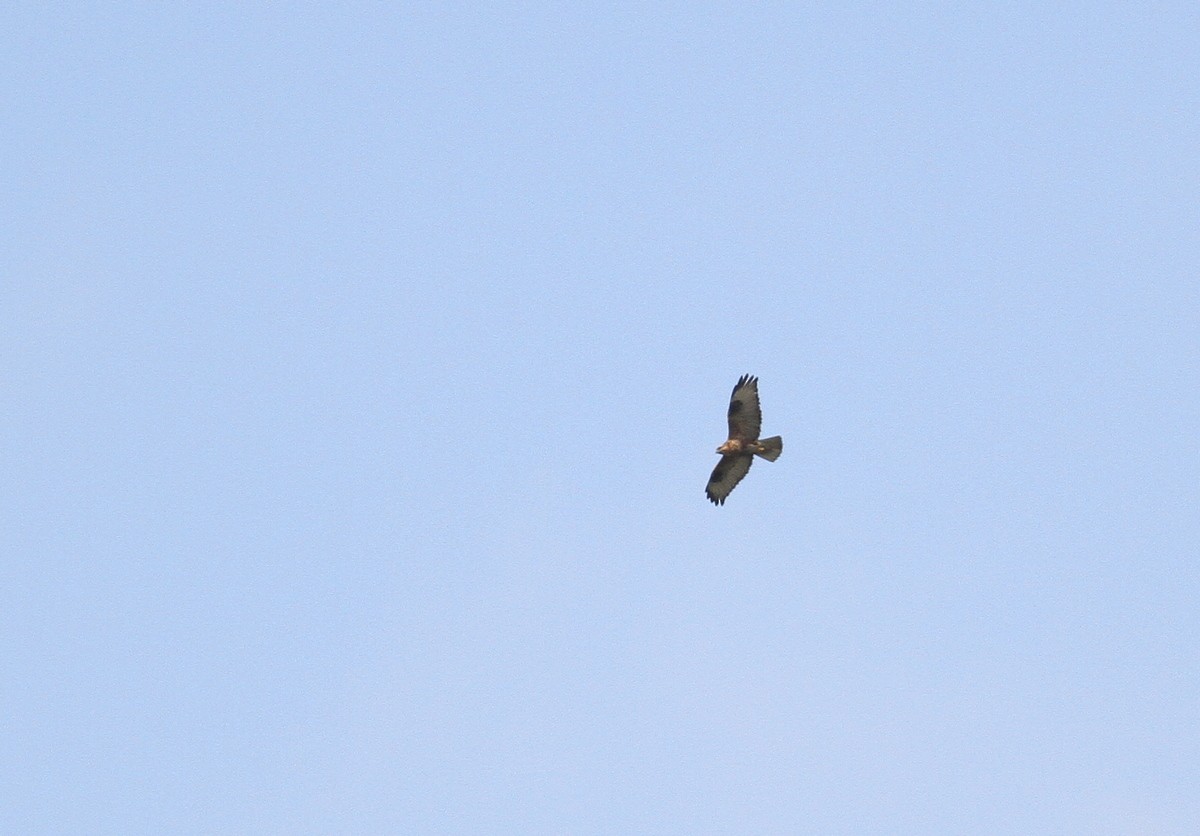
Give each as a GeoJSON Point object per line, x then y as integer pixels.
{"type": "Point", "coordinates": [737, 454]}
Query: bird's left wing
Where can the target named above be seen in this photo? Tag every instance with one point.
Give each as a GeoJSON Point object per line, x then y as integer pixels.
{"type": "Point", "coordinates": [745, 415]}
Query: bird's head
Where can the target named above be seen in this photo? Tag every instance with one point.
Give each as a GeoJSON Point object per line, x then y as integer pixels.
{"type": "Point", "coordinates": [730, 446]}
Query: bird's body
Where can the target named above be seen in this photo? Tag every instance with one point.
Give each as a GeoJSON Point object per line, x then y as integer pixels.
{"type": "Point", "coordinates": [743, 444]}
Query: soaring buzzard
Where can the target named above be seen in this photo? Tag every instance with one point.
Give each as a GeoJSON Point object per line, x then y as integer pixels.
{"type": "Point", "coordinates": [745, 421]}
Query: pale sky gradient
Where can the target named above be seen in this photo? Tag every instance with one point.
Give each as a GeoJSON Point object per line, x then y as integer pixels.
{"type": "Point", "coordinates": [362, 367]}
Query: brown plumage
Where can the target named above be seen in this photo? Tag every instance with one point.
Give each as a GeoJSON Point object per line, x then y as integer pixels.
{"type": "Point", "coordinates": [738, 452]}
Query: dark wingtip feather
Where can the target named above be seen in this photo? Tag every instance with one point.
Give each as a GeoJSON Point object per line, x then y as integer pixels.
{"type": "Point", "coordinates": [744, 380]}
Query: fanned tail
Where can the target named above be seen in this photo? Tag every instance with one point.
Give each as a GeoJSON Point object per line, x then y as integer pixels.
{"type": "Point", "coordinates": [770, 448]}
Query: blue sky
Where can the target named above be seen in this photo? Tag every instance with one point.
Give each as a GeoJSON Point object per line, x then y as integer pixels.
{"type": "Point", "coordinates": [363, 368]}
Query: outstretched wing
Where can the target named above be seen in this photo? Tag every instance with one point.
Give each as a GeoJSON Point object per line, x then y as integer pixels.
{"type": "Point", "coordinates": [745, 416]}
{"type": "Point", "coordinates": [725, 476]}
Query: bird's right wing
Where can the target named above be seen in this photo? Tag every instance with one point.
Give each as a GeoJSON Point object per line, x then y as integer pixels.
{"type": "Point", "coordinates": [729, 471]}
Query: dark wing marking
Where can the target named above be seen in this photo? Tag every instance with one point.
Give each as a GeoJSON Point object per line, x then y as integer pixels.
{"type": "Point", "coordinates": [729, 471]}
{"type": "Point", "coordinates": [745, 416]}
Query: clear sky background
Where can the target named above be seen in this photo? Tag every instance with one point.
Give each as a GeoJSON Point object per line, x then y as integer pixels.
{"type": "Point", "coordinates": [363, 367]}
